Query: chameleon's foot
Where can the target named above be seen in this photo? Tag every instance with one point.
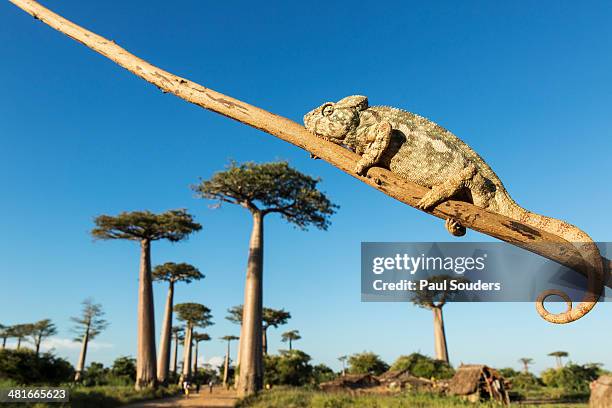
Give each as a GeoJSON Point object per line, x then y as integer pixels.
{"type": "Point", "coordinates": [428, 201]}
{"type": "Point", "coordinates": [454, 227]}
{"type": "Point", "coordinates": [312, 156]}
{"type": "Point", "coordinates": [361, 169]}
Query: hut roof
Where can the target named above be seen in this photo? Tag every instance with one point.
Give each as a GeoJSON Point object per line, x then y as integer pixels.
{"type": "Point", "coordinates": [466, 380]}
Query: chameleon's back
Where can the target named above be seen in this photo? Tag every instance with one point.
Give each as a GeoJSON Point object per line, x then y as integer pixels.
{"type": "Point", "coordinates": [424, 152]}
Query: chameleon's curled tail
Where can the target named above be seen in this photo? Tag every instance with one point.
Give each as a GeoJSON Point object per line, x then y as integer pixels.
{"type": "Point", "coordinates": [591, 256]}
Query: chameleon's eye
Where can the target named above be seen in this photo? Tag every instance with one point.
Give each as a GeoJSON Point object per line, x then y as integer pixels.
{"type": "Point", "coordinates": [327, 110]}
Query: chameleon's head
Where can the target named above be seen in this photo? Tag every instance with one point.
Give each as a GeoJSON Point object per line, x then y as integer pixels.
{"type": "Point", "coordinates": [333, 121]}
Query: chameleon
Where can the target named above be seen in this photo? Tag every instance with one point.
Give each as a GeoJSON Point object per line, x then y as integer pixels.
{"type": "Point", "coordinates": [425, 153]}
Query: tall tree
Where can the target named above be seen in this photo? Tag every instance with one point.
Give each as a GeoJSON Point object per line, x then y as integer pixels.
{"type": "Point", "coordinates": [146, 227]}
{"type": "Point", "coordinates": [194, 315]}
{"type": "Point", "coordinates": [21, 332]}
{"type": "Point", "coordinates": [177, 333]}
{"type": "Point", "coordinates": [290, 337]}
{"type": "Point", "coordinates": [435, 300]}
{"type": "Point", "coordinates": [226, 363]}
{"type": "Point", "coordinates": [270, 318]}
{"type": "Point", "coordinates": [559, 355]}
{"type": "Point", "coordinates": [5, 333]}
{"type": "Point", "coordinates": [170, 272]}
{"type": "Point", "coordinates": [262, 189]}
{"type": "Point", "coordinates": [197, 339]}
{"type": "Point", "coordinates": [87, 327]}
{"type": "Point", "coordinates": [343, 359]}
{"type": "Point", "coordinates": [40, 330]}
{"type": "Point", "coordinates": [526, 362]}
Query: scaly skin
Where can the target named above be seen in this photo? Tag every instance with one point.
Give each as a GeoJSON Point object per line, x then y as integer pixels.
{"type": "Point", "coordinates": [425, 153]}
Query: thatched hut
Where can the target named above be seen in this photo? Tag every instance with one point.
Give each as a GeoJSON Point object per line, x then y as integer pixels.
{"type": "Point", "coordinates": [403, 380]}
{"type": "Point", "coordinates": [601, 392]}
{"type": "Point", "coordinates": [350, 382]}
{"type": "Point", "coordinates": [478, 382]}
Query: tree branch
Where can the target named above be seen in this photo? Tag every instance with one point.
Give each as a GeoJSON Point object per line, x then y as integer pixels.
{"type": "Point", "coordinates": [503, 228]}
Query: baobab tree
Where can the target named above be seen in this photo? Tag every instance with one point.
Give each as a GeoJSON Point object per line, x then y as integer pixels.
{"type": "Point", "coordinates": [87, 327]}
{"type": "Point", "coordinates": [172, 273]}
{"type": "Point", "coordinates": [5, 333]}
{"type": "Point", "coordinates": [146, 227]}
{"type": "Point", "coordinates": [226, 363]}
{"type": "Point", "coordinates": [194, 315]}
{"type": "Point", "coordinates": [262, 189]}
{"type": "Point", "coordinates": [270, 318]}
{"type": "Point", "coordinates": [526, 361]}
{"type": "Point", "coordinates": [177, 333]}
{"type": "Point", "coordinates": [21, 332]}
{"type": "Point", "coordinates": [435, 300]}
{"type": "Point", "coordinates": [290, 337]}
{"type": "Point", "coordinates": [197, 338]}
{"type": "Point", "coordinates": [343, 359]}
{"type": "Point", "coordinates": [559, 355]}
{"type": "Point", "coordinates": [40, 330]}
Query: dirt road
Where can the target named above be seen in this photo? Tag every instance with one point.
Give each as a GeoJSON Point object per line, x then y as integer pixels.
{"type": "Point", "coordinates": [220, 398]}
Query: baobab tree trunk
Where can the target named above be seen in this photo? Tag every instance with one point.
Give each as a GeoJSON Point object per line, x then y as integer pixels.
{"type": "Point", "coordinates": [195, 358]}
{"type": "Point", "coordinates": [251, 356]}
{"type": "Point", "coordinates": [264, 340]}
{"type": "Point", "coordinates": [290, 347]}
{"type": "Point", "coordinates": [145, 354]}
{"type": "Point", "coordinates": [38, 341]}
{"type": "Point", "coordinates": [18, 343]}
{"type": "Point", "coordinates": [226, 365]}
{"type": "Point", "coordinates": [174, 360]}
{"type": "Point", "coordinates": [4, 343]}
{"type": "Point", "coordinates": [81, 365]}
{"type": "Point", "coordinates": [559, 362]}
{"type": "Point", "coordinates": [187, 355]}
{"type": "Point", "coordinates": [237, 368]}
{"type": "Point", "coordinates": [163, 361]}
{"type": "Point", "coordinates": [439, 334]}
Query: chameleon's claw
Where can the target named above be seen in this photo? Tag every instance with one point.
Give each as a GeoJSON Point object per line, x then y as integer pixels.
{"type": "Point", "coordinates": [426, 202]}
{"type": "Point", "coordinates": [454, 227]}
{"type": "Point", "coordinates": [360, 169]}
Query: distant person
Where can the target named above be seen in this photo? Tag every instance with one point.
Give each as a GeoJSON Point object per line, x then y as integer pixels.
{"type": "Point", "coordinates": [198, 387]}
{"type": "Point", "coordinates": [186, 387]}
{"type": "Point", "coordinates": [210, 386]}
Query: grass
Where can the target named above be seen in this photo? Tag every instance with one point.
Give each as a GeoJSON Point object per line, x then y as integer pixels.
{"type": "Point", "coordinates": [103, 397]}
{"type": "Point", "coordinates": [283, 397]}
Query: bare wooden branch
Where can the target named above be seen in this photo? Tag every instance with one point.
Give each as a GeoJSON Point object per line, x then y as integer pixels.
{"type": "Point", "coordinates": [503, 228]}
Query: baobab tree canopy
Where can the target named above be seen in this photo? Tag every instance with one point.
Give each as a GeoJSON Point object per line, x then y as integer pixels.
{"type": "Point", "coordinates": [91, 320]}
{"type": "Point", "coordinates": [271, 188]}
{"type": "Point", "coordinates": [270, 317]}
{"type": "Point", "coordinates": [198, 337]}
{"type": "Point", "coordinates": [173, 272]}
{"type": "Point", "coordinates": [194, 313]}
{"type": "Point", "coordinates": [430, 299]}
{"type": "Point", "coordinates": [291, 335]}
{"type": "Point", "coordinates": [173, 225]}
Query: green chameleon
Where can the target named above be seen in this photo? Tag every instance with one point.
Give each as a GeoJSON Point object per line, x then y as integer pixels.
{"type": "Point", "coordinates": [425, 153]}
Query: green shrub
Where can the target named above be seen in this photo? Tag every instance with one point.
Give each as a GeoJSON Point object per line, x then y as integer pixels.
{"type": "Point", "coordinates": [24, 367]}
{"type": "Point", "coordinates": [290, 367]}
{"type": "Point", "coordinates": [572, 378]}
{"type": "Point", "coordinates": [124, 368]}
{"type": "Point", "coordinates": [525, 382]}
{"type": "Point", "coordinates": [366, 363]}
{"type": "Point", "coordinates": [508, 372]}
{"type": "Point", "coordinates": [322, 373]}
{"type": "Point", "coordinates": [423, 366]}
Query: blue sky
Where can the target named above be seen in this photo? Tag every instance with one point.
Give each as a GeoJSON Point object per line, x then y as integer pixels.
{"type": "Point", "coordinates": [528, 87]}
